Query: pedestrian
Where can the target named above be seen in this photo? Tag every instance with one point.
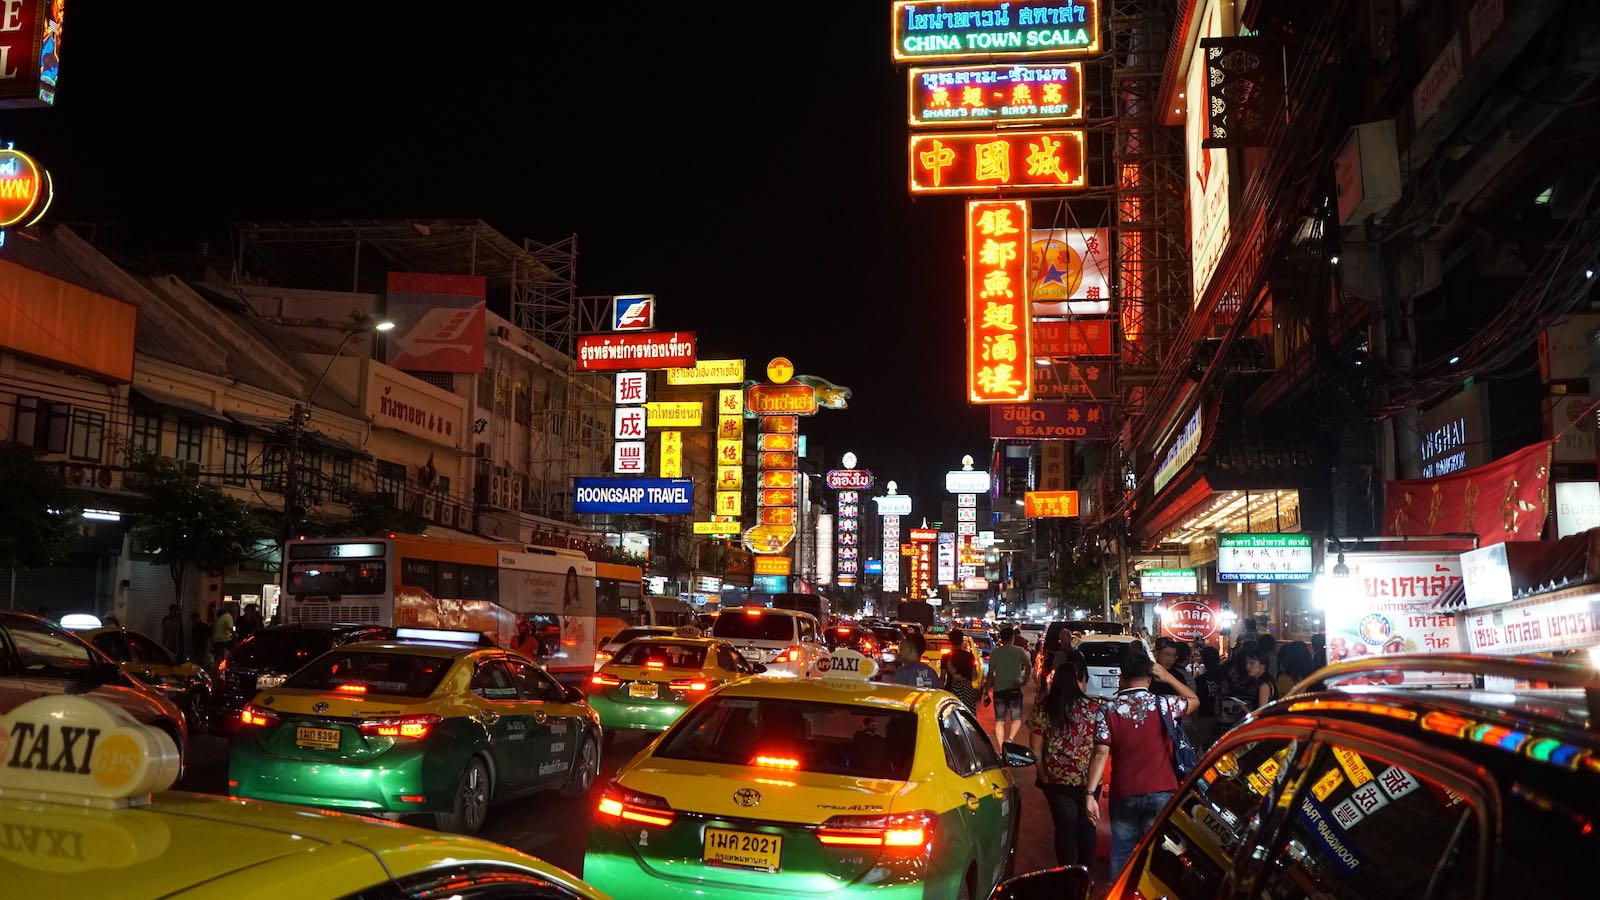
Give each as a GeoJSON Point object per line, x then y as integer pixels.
{"type": "Point", "coordinates": [1208, 686]}
{"type": "Point", "coordinates": [915, 673]}
{"type": "Point", "coordinates": [1294, 664]}
{"type": "Point", "coordinates": [1268, 645]}
{"type": "Point", "coordinates": [221, 633]}
{"type": "Point", "coordinates": [1009, 671]}
{"type": "Point", "coordinates": [250, 621]}
{"type": "Point", "coordinates": [172, 631]}
{"type": "Point", "coordinates": [1063, 742]}
{"type": "Point", "coordinates": [1262, 688]}
{"type": "Point", "coordinates": [961, 672]}
{"type": "Point", "coordinates": [199, 638]}
{"type": "Point", "coordinates": [1142, 776]}
{"type": "Point", "coordinates": [1171, 656]}
{"type": "Point", "coordinates": [1319, 650]}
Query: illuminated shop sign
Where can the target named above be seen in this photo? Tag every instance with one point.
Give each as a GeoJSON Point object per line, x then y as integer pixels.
{"type": "Point", "coordinates": [1155, 582]}
{"type": "Point", "coordinates": [633, 496]}
{"type": "Point", "coordinates": [1070, 271]}
{"type": "Point", "coordinates": [844, 479]}
{"type": "Point", "coordinates": [999, 327]}
{"type": "Point", "coordinates": [894, 505]}
{"type": "Point", "coordinates": [781, 400]}
{"type": "Point", "coordinates": [1264, 557]}
{"type": "Point", "coordinates": [985, 93]}
{"type": "Point", "coordinates": [675, 414]}
{"type": "Point", "coordinates": [965, 29]}
{"type": "Point", "coordinates": [25, 189]}
{"type": "Point", "coordinates": [1050, 504]}
{"type": "Point", "coordinates": [978, 163]}
{"type": "Point", "coordinates": [633, 312]}
{"type": "Point", "coordinates": [1050, 421]}
{"type": "Point", "coordinates": [643, 350]}
{"type": "Point", "coordinates": [1178, 455]}
{"type": "Point", "coordinates": [1081, 337]}
{"type": "Point", "coordinates": [1067, 380]}
{"type": "Point", "coordinates": [709, 371]}
{"type": "Point", "coordinates": [30, 52]}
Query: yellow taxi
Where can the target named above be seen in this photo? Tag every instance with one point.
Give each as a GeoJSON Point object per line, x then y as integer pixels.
{"type": "Point", "coordinates": [431, 722]}
{"type": "Point", "coordinates": [184, 683]}
{"type": "Point", "coordinates": [85, 812]}
{"type": "Point", "coordinates": [938, 646]}
{"type": "Point", "coordinates": [652, 680]}
{"type": "Point", "coordinates": [835, 786]}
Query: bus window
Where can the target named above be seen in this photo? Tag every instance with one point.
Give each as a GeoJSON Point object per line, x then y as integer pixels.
{"type": "Point", "coordinates": [631, 603]}
{"type": "Point", "coordinates": [607, 601]}
{"type": "Point", "coordinates": [449, 584]}
{"type": "Point", "coordinates": [338, 577]}
{"type": "Point", "coordinates": [420, 574]}
{"type": "Point", "coordinates": [478, 583]}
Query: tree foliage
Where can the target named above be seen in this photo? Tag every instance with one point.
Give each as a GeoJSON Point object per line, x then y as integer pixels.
{"type": "Point", "coordinates": [183, 523]}
{"type": "Point", "coordinates": [38, 510]}
{"type": "Point", "coordinates": [371, 513]}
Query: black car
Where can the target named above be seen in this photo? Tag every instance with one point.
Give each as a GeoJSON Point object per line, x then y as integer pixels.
{"type": "Point", "coordinates": [1374, 790]}
{"type": "Point", "coordinates": [268, 657]}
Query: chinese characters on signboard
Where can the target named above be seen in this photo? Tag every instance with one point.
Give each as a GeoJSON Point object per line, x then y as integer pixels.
{"type": "Point", "coordinates": [1264, 557]}
{"type": "Point", "coordinates": [962, 29]}
{"type": "Point", "coordinates": [1005, 92]}
{"type": "Point", "coordinates": [976, 163]}
{"type": "Point", "coordinates": [628, 449]}
{"type": "Point", "coordinates": [1069, 380]}
{"type": "Point", "coordinates": [847, 539]}
{"type": "Point", "coordinates": [1082, 337]}
{"type": "Point", "coordinates": [1070, 271]}
{"type": "Point", "coordinates": [671, 454]}
{"type": "Point", "coordinates": [1050, 504]}
{"type": "Point", "coordinates": [30, 52]}
{"type": "Point", "coordinates": [999, 327]}
{"type": "Point", "coordinates": [1050, 421]}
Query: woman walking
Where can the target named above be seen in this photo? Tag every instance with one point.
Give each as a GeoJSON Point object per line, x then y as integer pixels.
{"type": "Point", "coordinates": [1063, 741]}
{"type": "Point", "coordinates": [961, 672]}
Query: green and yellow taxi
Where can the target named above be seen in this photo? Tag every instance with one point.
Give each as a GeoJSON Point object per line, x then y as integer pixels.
{"type": "Point", "coordinates": [431, 722]}
{"type": "Point", "coordinates": [138, 655]}
{"type": "Point", "coordinates": [937, 647]}
{"type": "Point", "coordinates": [835, 786]}
{"type": "Point", "coordinates": [85, 811]}
{"type": "Point", "coordinates": [651, 681]}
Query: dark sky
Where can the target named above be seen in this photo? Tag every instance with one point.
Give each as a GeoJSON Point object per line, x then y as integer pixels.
{"type": "Point", "coordinates": [744, 162]}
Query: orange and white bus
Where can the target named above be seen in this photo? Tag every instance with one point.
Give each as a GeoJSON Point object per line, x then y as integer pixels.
{"type": "Point", "coordinates": [539, 601]}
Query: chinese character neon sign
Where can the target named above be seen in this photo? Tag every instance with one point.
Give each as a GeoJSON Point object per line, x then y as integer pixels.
{"type": "Point", "coordinates": [999, 327]}
{"type": "Point", "coordinates": [962, 29]}
{"type": "Point", "coordinates": [975, 163]}
{"type": "Point", "coordinates": [1003, 92]}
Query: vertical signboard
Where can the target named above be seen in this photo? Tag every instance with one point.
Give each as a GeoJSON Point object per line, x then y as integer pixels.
{"type": "Point", "coordinates": [947, 558]}
{"type": "Point", "coordinates": [30, 52]}
{"type": "Point", "coordinates": [999, 325]}
{"type": "Point", "coordinates": [1208, 167]}
{"type": "Point", "coordinates": [671, 454]}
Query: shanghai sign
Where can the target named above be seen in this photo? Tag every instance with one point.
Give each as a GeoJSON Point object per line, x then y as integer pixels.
{"type": "Point", "coordinates": [984, 93]}
{"type": "Point", "coordinates": [962, 29]}
{"type": "Point", "coordinates": [644, 350]}
{"type": "Point", "coordinates": [999, 328]}
{"type": "Point", "coordinates": [1050, 504]}
{"type": "Point", "coordinates": [978, 163]}
{"type": "Point", "coordinates": [1050, 421]}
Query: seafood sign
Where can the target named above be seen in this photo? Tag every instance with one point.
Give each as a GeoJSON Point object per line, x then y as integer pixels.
{"type": "Point", "coordinates": [1050, 421]}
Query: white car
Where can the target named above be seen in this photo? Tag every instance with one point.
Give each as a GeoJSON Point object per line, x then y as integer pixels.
{"type": "Point", "coordinates": [1102, 657]}
{"type": "Point", "coordinates": [786, 641]}
{"type": "Point", "coordinates": [610, 647]}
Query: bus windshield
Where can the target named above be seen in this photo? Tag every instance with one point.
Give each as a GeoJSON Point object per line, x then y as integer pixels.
{"type": "Point", "coordinates": [341, 577]}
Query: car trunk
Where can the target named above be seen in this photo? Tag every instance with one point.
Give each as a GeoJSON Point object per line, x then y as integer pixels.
{"type": "Point", "coordinates": [317, 726]}
{"type": "Point", "coordinates": [646, 686]}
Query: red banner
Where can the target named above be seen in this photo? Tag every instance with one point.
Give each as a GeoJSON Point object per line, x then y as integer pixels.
{"type": "Point", "coordinates": [1506, 500]}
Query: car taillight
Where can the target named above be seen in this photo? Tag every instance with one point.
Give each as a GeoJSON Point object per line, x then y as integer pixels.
{"type": "Point", "coordinates": [600, 656]}
{"type": "Point", "coordinates": [790, 655]}
{"type": "Point", "coordinates": [257, 715]}
{"type": "Point", "coordinates": [413, 728]}
{"type": "Point", "coordinates": [617, 802]}
{"type": "Point", "coordinates": [605, 680]}
{"type": "Point", "coordinates": [222, 666]}
{"type": "Point", "coordinates": [905, 833]}
{"type": "Point", "coordinates": [693, 686]}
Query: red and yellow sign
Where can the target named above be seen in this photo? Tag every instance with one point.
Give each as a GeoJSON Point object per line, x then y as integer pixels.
{"type": "Point", "coordinates": [987, 93]}
{"type": "Point", "coordinates": [728, 503]}
{"type": "Point", "coordinates": [25, 189]}
{"type": "Point", "coordinates": [30, 52]}
{"type": "Point", "coordinates": [781, 399]}
{"type": "Point", "coordinates": [1050, 504]}
{"type": "Point", "coordinates": [671, 454]}
{"type": "Point", "coordinates": [730, 478]}
{"type": "Point", "coordinates": [780, 370]}
{"type": "Point", "coordinates": [778, 515]}
{"type": "Point", "coordinates": [981, 163]}
{"type": "Point", "coordinates": [779, 497]}
{"type": "Point", "coordinates": [725, 529]}
{"type": "Point", "coordinates": [788, 443]}
{"type": "Point", "coordinates": [730, 402]}
{"type": "Point", "coordinates": [780, 424]}
{"type": "Point", "coordinates": [674, 414]}
{"type": "Point", "coordinates": [999, 321]}
{"type": "Point", "coordinates": [776, 460]}
{"type": "Point", "coordinates": [730, 451]}
{"type": "Point", "coordinates": [772, 565]}
{"type": "Point", "coordinates": [780, 478]}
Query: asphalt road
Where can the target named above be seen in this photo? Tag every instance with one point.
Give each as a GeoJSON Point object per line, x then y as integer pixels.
{"type": "Point", "coordinates": [556, 828]}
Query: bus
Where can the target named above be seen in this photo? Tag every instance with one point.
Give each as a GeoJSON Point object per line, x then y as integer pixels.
{"type": "Point", "coordinates": [543, 602]}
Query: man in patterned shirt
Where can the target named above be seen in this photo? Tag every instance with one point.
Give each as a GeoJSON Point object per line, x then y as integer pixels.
{"type": "Point", "coordinates": [1143, 780]}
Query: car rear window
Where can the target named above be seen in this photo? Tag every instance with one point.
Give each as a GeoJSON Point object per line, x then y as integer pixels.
{"type": "Point", "coordinates": [670, 656]}
{"type": "Point", "coordinates": [1104, 653]}
{"type": "Point", "coordinates": [628, 634]}
{"type": "Point", "coordinates": [282, 651]}
{"type": "Point", "coordinates": [399, 674]}
{"type": "Point", "coordinates": [735, 626]}
{"type": "Point", "coordinates": [831, 738]}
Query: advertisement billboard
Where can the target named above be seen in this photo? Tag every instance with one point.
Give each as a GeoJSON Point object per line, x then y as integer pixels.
{"type": "Point", "coordinates": [1068, 380]}
{"type": "Point", "coordinates": [956, 162]}
{"type": "Point", "coordinates": [439, 322]}
{"type": "Point", "coordinates": [781, 399]}
{"type": "Point", "coordinates": [30, 52]}
{"type": "Point", "coordinates": [999, 329]}
{"type": "Point", "coordinates": [1386, 605]}
{"type": "Point", "coordinates": [1050, 421]}
{"type": "Point", "coordinates": [850, 479]}
{"type": "Point", "coordinates": [1155, 582]}
{"type": "Point", "coordinates": [964, 29]}
{"type": "Point", "coordinates": [632, 496]}
{"type": "Point", "coordinates": [987, 93]}
{"type": "Point", "coordinates": [1070, 271]}
{"type": "Point", "coordinates": [1081, 337]}
{"type": "Point", "coordinates": [1192, 619]}
{"type": "Point", "coordinates": [1264, 557]}
{"type": "Point", "coordinates": [674, 413]}
{"type": "Point", "coordinates": [635, 350]}
{"type": "Point", "coordinates": [1050, 504]}
{"type": "Point", "coordinates": [709, 371]}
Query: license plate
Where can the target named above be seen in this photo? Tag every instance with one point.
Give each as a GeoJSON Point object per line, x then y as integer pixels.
{"type": "Point", "coordinates": [1109, 680]}
{"type": "Point", "coordinates": [743, 849]}
{"type": "Point", "coordinates": [642, 689]}
{"type": "Point", "coordinates": [317, 738]}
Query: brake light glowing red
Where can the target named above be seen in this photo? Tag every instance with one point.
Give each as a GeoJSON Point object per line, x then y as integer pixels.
{"type": "Point", "coordinates": [406, 727]}
{"type": "Point", "coordinates": [902, 834]}
{"type": "Point", "coordinates": [646, 809]}
{"type": "Point", "coordinates": [258, 716]}
{"type": "Point", "coordinates": [693, 687]}
{"type": "Point", "coordinates": [351, 689]}
{"type": "Point", "coordinates": [776, 762]}
{"type": "Point", "coordinates": [752, 612]}
{"type": "Point", "coordinates": [605, 680]}
{"type": "Point", "coordinates": [654, 664]}
{"type": "Point", "coordinates": [791, 654]}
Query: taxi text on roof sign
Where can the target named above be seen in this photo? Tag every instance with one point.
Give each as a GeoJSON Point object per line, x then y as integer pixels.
{"type": "Point", "coordinates": [847, 665]}
{"type": "Point", "coordinates": [964, 29]}
{"type": "Point", "coordinates": [983, 163]}
{"type": "Point", "coordinates": [999, 326]}
{"type": "Point", "coordinates": [87, 752]}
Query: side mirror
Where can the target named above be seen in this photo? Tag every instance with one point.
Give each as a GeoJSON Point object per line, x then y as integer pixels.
{"type": "Point", "coordinates": [1065, 883]}
{"type": "Point", "coordinates": [1017, 755]}
{"type": "Point", "coordinates": [758, 668]}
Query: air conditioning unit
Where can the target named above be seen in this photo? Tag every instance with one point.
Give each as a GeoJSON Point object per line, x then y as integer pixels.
{"type": "Point", "coordinates": [191, 468]}
{"type": "Point", "coordinates": [1366, 172]}
{"type": "Point", "coordinates": [483, 450]}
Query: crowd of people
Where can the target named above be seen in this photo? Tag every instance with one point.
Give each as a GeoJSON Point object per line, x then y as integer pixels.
{"type": "Point", "coordinates": [205, 641]}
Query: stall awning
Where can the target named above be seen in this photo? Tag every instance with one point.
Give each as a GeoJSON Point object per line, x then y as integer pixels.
{"type": "Point", "coordinates": [1530, 567]}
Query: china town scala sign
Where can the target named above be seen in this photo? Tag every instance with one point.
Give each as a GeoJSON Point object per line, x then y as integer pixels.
{"type": "Point", "coordinates": [850, 479]}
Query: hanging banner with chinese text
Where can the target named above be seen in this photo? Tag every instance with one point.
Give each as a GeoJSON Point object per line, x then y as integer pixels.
{"type": "Point", "coordinates": [999, 328]}
{"type": "Point", "coordinates": [977, 163]}
{"type": "Point", "coordinates": [1505, 500]}
{"type": "Point", "coordinates": [1087, 380]}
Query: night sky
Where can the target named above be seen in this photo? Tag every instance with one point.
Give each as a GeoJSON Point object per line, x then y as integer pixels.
{"type": "Point", "coordinates": [758, 189]}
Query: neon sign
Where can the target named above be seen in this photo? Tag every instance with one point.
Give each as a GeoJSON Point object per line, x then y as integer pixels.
{"type": "Point", "coordinates": [981, 94]}
{"type": "Point", "coordinates": [976, 163]}
{"type": "Point", "coordinates": [962, 29]}
{"type": "Point", "coordinates": [999, 327]}
{"type": "Point", "coordinates": [25, 189]}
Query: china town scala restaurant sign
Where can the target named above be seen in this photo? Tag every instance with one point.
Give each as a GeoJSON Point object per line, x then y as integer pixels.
{"type": "Point", "coordinates": [406, 405]}
{"type": "Point", "coordinates": [1050, 421]}
{"type": "Point", "coordinates": [850, 479]}
{"type": "Point", "coordinates": [964, 29]}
